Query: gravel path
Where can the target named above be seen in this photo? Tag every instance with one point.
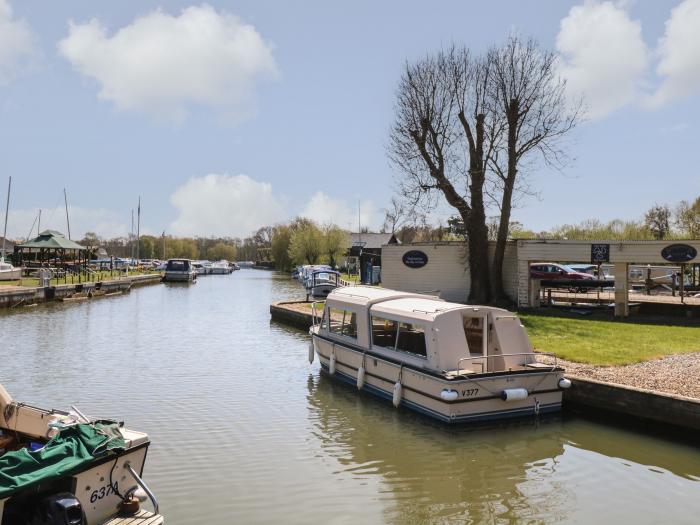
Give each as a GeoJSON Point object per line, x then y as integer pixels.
{"type": "Point", "coordinates": [677, 374]}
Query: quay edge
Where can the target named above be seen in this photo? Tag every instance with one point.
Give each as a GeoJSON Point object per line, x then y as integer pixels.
{"type": "Point", "coordinates": [588, 395]}
{"type": "Point", "coordinates": [21, 296]}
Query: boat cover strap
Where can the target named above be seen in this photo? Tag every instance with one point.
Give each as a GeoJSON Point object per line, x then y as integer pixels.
{"type": "Point", "coordinates": [70, 451]}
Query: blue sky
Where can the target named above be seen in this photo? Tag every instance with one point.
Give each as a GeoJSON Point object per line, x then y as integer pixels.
{"type": "Point", "coordinates": [225, 116]}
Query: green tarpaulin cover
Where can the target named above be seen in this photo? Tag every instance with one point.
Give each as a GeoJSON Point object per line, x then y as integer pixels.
{"type": "Point", "coordinates": [70, 451]}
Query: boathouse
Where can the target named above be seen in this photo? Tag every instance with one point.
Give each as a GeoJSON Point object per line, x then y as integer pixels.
{"type": "Point", "coordinates": [441, 267]}
{"type": "Point", "coordinates": [365, 253]}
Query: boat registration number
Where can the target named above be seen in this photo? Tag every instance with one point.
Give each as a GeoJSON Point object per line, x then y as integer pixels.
{"type": "Point", "coordinates": [470, 392]}
{"type": "Point", "coordinates": [100, 493]}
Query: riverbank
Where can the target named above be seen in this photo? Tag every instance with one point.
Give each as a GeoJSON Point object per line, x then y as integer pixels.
{"type": "Point", "coordinates": [22, 296]}
{"type": "Point", "coordinates": [663, 391]}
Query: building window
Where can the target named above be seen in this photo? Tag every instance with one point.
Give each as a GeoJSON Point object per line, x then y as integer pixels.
{"type": "Point", "coordinates": [342, 322]}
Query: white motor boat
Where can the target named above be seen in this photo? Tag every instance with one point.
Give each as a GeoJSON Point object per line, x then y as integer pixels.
{"type": "Point", "coordinates": [452, 362]}
{"type": "Point", "coordinates": [220, 268]}
{"type": "Point", "coordinates": [9, 272]}
{"type": "Point", "coordinates": [61, 467]}
{"type": "Point", "coordinates": [321, 283]}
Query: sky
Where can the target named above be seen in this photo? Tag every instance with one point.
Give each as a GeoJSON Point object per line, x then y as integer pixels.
{"type": "Point", "coordinates": [226, 116]}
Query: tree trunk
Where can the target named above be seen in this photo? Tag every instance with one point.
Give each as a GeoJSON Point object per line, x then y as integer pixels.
{"type": "Point", "coordinates": [480, 289]}
{"type": "Point", "coordinates": [506, 203]}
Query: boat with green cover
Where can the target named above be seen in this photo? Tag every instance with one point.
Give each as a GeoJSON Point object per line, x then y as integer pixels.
{"type": "Point", "coordinates": [63, 468]}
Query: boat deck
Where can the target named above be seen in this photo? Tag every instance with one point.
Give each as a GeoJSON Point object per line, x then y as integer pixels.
{"type": "Point", "coordinates": [142, 517]}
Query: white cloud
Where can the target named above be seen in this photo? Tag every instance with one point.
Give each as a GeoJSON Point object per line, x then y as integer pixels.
{"type": "Point", "coordinates": [224, 205]}
{"type": "Point", "coordinates": [679, 54]}
{"type": "Point", "coordinates": [106, 223]}
{"type": "Point", "coordinates": [603, 56]}
{"type": "Point", "coordinates": [17, 44]}
{"type": "Point", "coordinates": [161, 64]}
{"type": "Point", "coordinates": [325, 210]}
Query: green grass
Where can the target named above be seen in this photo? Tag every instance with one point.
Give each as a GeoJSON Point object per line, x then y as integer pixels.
{"type": "Point", "coordinates": [601, 342]}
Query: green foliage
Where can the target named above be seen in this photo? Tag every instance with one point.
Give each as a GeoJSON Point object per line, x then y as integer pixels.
{"type": "Point", "coordinates": [221, 251]}
{"type": "Point", "coordinates": [688, 219]}
{"type": "Point", "coordinates": [335, 243]}
{"type": "Point", "coordinates": [608, 342]}
{"type": "Point", "coordinates": [306, 244]}
{"type": "Point", "coordinates": [281, 237]}
{"type": "Point", "coordinates": [147, 247]}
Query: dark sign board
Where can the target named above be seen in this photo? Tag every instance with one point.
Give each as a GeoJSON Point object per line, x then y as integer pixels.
{"type": "Point", "coordinates": [600, 253]}
{"type": "Point", "coordinates": [415, 259]}
{"type": "Point", "coordinates": [679, 253]}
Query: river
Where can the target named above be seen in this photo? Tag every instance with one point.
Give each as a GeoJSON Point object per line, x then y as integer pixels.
{"type": "Point", "coordinates": [244, 431]}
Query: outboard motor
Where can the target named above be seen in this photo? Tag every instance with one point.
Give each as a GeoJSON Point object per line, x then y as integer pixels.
{"type": "Point", "coordinates": [59, 509]}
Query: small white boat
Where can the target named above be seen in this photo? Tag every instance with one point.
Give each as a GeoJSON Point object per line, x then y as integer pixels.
{"type": "Point", "coordinates": [9, 272]}
{"type": "Point", "coordinates": [220, 268]}
{"type": "Point", "coordinates": [61, 467]}
{"type": "Point", "coordinates": [452, 362]}
{"type": "Point", "coordinates": [179, 270]}
{"type": "Point", "coordinates": [321, 283]}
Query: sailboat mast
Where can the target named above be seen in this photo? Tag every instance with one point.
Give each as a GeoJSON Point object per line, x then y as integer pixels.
{"type": "Point", "coordinates": [138, 230]}
{"type": "Point", "coordinates": [38, 226]}
{"type": "Point", "coordinates": [65, 200]}
{"type": "Point", "coordinates": [7, 209]}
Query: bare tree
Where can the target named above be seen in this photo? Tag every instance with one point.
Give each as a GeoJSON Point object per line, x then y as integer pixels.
{"type": "Point", "coordinates": [530, 101]}
{"type": "Point", "coordinates": [439, 142]}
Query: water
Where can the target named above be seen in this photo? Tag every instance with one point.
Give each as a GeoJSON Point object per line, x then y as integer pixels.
{"type": "Point", "coordinates": [245, 431]}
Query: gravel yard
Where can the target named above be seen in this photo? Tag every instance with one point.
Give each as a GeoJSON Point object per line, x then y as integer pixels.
{"type": "Point", "coordinates": [676, 374]}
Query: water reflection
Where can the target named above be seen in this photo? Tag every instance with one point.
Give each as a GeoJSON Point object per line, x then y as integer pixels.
{"type": "Point", "coordinates": [552, 470]}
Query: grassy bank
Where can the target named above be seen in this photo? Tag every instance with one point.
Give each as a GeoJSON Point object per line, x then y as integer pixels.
{"type": "Point", "coordinates": [601, 342]}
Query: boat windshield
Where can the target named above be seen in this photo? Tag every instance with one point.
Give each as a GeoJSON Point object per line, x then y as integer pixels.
{"type": "Point", "coordinates": [178, 266]}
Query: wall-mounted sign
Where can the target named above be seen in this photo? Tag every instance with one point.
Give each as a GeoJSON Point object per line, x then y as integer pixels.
{"type": "Point", "coordinates": [415, 259]}
{"type": "Point", "coordinates": [600, 253]}
{"type": "Point", "coordinates": [679, 253]}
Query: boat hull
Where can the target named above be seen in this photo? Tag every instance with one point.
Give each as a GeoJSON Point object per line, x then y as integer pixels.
{"type": "Point", "coordinates": [469, 400]}
{"type": "Point", "coordinates": [179, 276]}
{"type": "Point", "coordinates": [11, 275]}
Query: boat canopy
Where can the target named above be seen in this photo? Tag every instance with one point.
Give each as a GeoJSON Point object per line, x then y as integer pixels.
{"type": "Point", "coordinates": [425, 331]}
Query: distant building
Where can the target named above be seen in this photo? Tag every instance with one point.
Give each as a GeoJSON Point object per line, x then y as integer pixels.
{"type": "Point", "coordinates": [365, 252]}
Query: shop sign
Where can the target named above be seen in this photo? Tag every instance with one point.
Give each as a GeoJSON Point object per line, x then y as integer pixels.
{"type": "Point", "coordinates": [415, 259]}
{"type": "Point", "coordinates": [679, 253]}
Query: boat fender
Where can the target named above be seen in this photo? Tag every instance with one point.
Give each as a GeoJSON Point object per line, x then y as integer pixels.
{"type": "Point", "coordinates": [360, 377]}
{"type": "Point", "coordinates": [564, 383]}
{"type": "Point", "coordinates": [449, 395]}
{"type": "Point", "coordinates": [514, 394]}
{"type": "Point", "coordinates": [331, 365]}
{"type": "Point", "coordinates": [311, 352]}
{"type": "Point", "coordinates": [397, 394]}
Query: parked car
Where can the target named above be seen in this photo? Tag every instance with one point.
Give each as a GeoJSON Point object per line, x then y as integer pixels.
{"type": "Point", "coordinates": [555, 271]}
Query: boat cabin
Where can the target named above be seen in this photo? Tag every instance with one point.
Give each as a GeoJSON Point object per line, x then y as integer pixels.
{"type": "Point", "coordinates": [426, 332]}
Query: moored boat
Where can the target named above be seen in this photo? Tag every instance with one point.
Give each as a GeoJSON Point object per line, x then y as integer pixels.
{"type": "Point", "coordinates": [59, 467]}
{"type": "Point", "coordinates": [452, 362]}
{"type": "Point", "coordinates": [9, 272]}
{"type": "Point", "coordinates": [179, 270]}
{"type": "Point", "coordinates": [321, 283]}
{"type": "Point", "coordinates": [220, 268]}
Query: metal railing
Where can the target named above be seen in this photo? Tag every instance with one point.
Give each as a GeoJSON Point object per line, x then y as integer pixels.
{"type": "Point", "coordinates": [493, 356]}
{"type": "Point", "coordinates": [314, 315]}
{"type": "Point", "coordinates": [143, 485]}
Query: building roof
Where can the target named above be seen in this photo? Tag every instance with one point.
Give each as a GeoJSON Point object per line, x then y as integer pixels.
{"type": "Point", "coordinates": [51, 240]}
{"type": "Point", "coordinates": [372, 240]}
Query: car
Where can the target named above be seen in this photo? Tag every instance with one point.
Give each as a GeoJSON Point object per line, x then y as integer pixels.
{"type": "Point", "coordinates": [552, 271]}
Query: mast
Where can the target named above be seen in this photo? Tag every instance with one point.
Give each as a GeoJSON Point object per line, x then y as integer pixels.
{"type": "Point", "coordinates": [38, 226]}
{"type": "Point", "coordinates": [138, 230]}
{"type": "Point", "coordinates": [65, 200]}
{"type": "Point", "coordinates": [7, 209]}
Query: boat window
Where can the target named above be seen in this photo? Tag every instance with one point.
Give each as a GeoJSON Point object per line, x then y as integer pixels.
{"type": "Point", "coordinates": [474, 332]}
{"type": "Point", "coordinates": [411, 339]}
{"type": "Point", "coordinates": [342, 322]}
{"type": "Point", "coordinates": [384, 332]}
